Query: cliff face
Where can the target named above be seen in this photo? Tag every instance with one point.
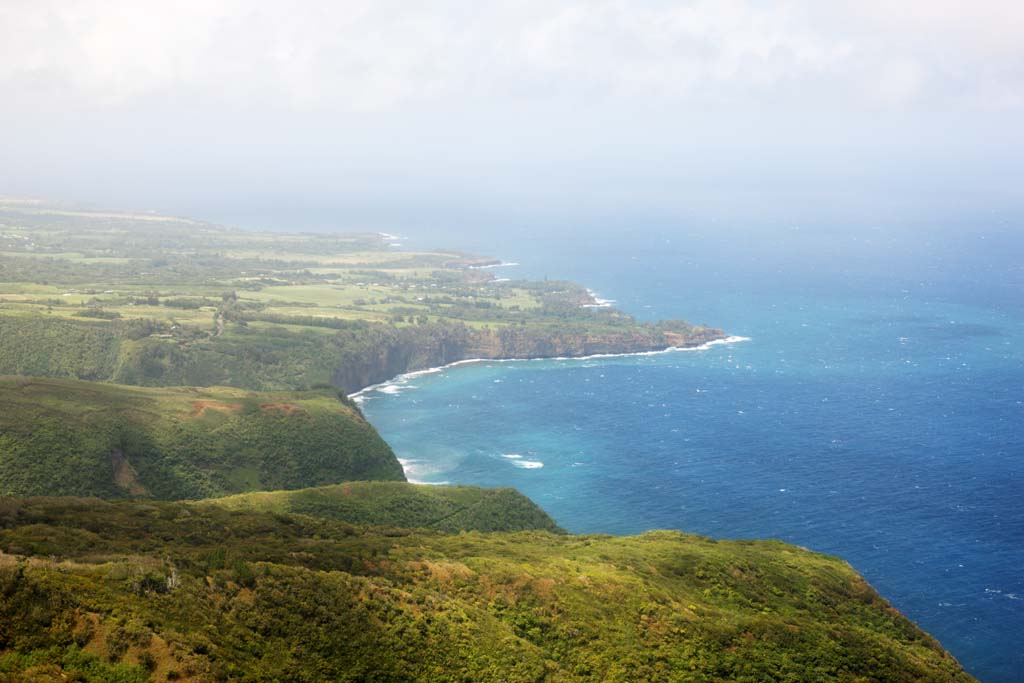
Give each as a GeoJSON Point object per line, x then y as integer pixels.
{"type": "Point", "coordinates": [417, 348]}
{"type": "Point", "coordinates": [525, 343]}
{"type": "Point", "coordinates": [355, 356]}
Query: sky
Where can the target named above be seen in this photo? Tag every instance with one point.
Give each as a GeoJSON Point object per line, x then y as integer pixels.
{"type": "Point", "coordinates": [387, 112]}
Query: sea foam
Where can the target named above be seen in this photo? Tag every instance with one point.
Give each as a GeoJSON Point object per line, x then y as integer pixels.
{"type": "Point", "coordinates": [412, 467]}
{"type": "Point", "coordinates": [495, 265]}
{"type": "Point", "coordinates": [528, 464]}
{"type": "Point", "coordinates": [401, 381]}
{"type": "Point", "coordinates": [598, 301]}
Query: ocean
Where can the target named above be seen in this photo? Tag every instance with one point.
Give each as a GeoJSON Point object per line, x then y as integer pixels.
{"type": "Point", "coordinates": [875, 411]}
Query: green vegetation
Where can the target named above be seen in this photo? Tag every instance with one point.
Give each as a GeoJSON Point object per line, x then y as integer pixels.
{"type": "Point", "coordinates": [162, 301]}
{"type": "Point", "coordinates": [300, 577]}
{"type": "Point", "coordinates": [397, 504]}
{"type": "Point", "coordinates": [68, 437]}
{"type": "Point", "coordinates": [187, 591]}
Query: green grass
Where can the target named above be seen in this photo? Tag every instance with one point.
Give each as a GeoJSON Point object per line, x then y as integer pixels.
{"type": "Point", "coordinates": [245, 595]}
{"type": "Point", "coordinates": [398, 504]}
{"type": "Point", "coordinates": [323, 295]}
{"type": "Point", "coordinates": [69, 437]}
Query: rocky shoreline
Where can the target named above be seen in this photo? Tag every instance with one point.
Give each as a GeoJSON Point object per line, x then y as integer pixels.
{"type": "Point", "coordinates": [415, 349]}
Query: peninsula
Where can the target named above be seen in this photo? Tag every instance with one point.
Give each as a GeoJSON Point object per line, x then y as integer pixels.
{"type": "Point", "coordinates": [161, 301]}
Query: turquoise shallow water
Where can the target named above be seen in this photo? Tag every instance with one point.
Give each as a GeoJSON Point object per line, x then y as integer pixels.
{"type": "Point", "coordinates": [875, 413]}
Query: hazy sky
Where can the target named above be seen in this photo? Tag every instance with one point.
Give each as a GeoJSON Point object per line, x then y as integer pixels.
{"type": "Point", "coordinates": [532, 108]}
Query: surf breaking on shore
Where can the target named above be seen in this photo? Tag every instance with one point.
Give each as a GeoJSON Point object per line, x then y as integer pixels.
{"type": "Point", "coordinates": [400, 383]}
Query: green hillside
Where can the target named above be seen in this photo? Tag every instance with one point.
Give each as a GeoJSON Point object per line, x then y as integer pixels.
{"type": "Point", "coordinates": [69, 437]}
{"type": "Point", "coordinates": [134, 591]}
{"type": "Point", "coordinates": [397, 504]}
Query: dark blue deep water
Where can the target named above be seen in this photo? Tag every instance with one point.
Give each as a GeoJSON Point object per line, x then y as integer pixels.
{"type": "Point", "coordinates": [876, 412]}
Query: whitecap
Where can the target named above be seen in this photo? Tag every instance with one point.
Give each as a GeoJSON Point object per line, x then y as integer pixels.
{"type": "Point", "coordinates": [528, 464]}
{"type": "Point", "coordinates": [413, 468]}
{"type": "Point", "coordinates": [598, 302]}
{"type": "Point", "coordinates": [395, 388]}
{"type": "Point", "coordinates": [495, 265]}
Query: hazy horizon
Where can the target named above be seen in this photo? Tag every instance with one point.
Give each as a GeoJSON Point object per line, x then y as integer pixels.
{"type": "Point", "coordinates": [569, 113]}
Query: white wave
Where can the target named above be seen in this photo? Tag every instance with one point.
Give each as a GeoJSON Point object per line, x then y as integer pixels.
{"type": "Point", "coordinates": [411, 468]}
{"type": "Point", "coordinates": [381, 387]}
{"type": "Point", "coordinates": [395, 388]}
{"type": "Point", "coordinates": [528, 464]}
{"type": "Point", "coordinates": [495, 265]}
{"type": "Point", "coordinates": [598, 301]}
{"type": "Point", "coordinates": [420, 373]}
{"type": "Point", "coordinates": [502, 279]}
{"type": "Point", "coordinates": [395, 384]}
{"type": "Point", "coordinates": [519, 461]}
{"type": "Point", "coordinates": [727, 340]}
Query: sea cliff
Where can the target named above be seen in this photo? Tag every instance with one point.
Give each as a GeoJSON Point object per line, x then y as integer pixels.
{"type": "Point", "coordinates": [399, 351]}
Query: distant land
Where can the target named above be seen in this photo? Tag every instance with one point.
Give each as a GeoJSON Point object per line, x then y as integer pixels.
{"type": "Point", "coordinates": [187, 493]}
{"type": "Point", "coordinates": [164, 301]}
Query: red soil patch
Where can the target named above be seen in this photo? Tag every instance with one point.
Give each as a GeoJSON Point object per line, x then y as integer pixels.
{"type": "Point", "coordinates": [199, 408]}
{"type": "Point", "coordinates": [125, 476]}
{"type": "Point", "coordinates": [675, 339]}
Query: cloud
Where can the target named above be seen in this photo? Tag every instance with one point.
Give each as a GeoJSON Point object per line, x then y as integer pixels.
{"type": "Point", "coordinates": [388, 55]}
{"type": "Point", "coordinates": [513, 106]}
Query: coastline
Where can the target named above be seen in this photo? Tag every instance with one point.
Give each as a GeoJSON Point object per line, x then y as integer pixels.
{"type": "Point", "coordinates": [359, 396]}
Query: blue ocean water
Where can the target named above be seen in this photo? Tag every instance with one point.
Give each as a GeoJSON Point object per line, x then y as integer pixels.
{"type": "Point", "coordinates": [875, 413]}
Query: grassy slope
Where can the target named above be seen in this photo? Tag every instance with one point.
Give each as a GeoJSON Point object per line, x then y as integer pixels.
{"type": "Point", "coordinates": [398, 504]}
{"type": "Point", "coordinates": [68, 437]}
{"type": "Point", "coordinates": [265, 596]}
